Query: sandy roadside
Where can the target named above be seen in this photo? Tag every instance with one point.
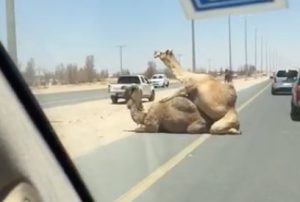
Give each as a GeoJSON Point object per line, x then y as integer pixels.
{"type": "Point", "coordinates": [83, 127]}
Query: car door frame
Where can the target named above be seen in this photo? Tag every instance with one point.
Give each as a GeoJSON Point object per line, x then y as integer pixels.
{"type": "Point", "coordinates": [147, 90]}
{"type": "Point", "coordinates": [38, 119]}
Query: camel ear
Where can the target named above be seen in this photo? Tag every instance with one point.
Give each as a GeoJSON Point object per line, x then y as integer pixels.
{"type": "Point", "coordinates": [156, 54]}
{"type": "Point", "coordinates": [169, 52]}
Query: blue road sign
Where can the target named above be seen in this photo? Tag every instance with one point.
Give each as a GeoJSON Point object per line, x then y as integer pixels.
{"type": "Point", "coordinates": [207, 8]}
{"type": "Point", "coordinates": [201, 5]}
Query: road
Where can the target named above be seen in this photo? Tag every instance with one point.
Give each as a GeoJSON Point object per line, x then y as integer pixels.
{"type": "Point", "coordinates": [262, 164]}
{"type": "Point", "coordinates": [66, 98]}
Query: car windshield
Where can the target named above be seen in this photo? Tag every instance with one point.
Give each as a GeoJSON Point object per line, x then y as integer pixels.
{"type": "Point", "coordinates": [289, 73]}
{"type": "Point", "coordinates": [281, 73]}
{"type": "Point", "coordinates": [208, 128]}
{"type": "Point", "coordinates": [129, 79]}
{"type": "Point", "coordinates": [292, 74]}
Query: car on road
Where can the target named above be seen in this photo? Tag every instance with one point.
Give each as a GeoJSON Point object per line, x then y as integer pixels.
{"type": "Point", "coordinates": [283, 81]}
{"type": "Point", "coordinates": [295, 102]}
{"type": "Point", "coordinates": [117, 91]}
{"type": "Point", "coordinates": [159, 80]}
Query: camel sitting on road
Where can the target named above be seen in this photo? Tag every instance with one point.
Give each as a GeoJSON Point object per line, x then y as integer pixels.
{"type": "Point", "coordinates": [177, 115]}
{"type": "Point", "coordinates": [211, 96]}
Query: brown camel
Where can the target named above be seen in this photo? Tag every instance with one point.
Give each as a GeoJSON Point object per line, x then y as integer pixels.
{"type": "Point", "coordinates": [211, 96]}
{"type": "Point", "coordinates": [177, 115]}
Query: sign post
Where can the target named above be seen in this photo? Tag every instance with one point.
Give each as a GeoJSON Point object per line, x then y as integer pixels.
{"type": "Point", "coordinates": [199, 9]}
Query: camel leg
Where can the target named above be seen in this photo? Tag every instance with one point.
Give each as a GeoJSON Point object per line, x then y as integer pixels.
{"type": "Point", "coordinates": [229, 124]}
{"type": "Point", "coordinates": [198, 127]}
{"type": "Point", "coordinates": [181, 92]}
{"type": "Point", "coordinates": [151, 124]}
{"type": "Point", "coordinates": [147, 129]}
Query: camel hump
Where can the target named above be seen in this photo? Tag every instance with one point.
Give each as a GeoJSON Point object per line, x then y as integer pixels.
{"type": "Point", "coordinates": [183, 104]}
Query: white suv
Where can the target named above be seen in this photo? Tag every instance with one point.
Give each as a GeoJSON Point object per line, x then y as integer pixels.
{"type": "Point", "coordinates": [118, 90]}
{"type": "Point", "coordinates": [159, 80]}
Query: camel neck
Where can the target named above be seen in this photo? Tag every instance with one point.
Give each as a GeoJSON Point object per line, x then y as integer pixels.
{"type": "Point", "coordinates": [174, 66]}
{"type": "Point", "coordinates": [137, 112]}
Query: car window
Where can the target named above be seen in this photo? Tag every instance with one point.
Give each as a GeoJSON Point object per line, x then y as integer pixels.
{"type": "Point", "coordinates": [129, 79]}
{"type": "Point", "coordinates": [281, 73]}
{"type": "Point", "coordinates": [292, 74]}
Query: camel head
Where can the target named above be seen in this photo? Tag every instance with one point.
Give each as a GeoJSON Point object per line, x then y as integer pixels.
{"type": "Point", "coordinates": [133, 95]}
{"type": "Point", "coordinates": [168, 54]}
{"type": "Point", "coordinates": [168, 58]}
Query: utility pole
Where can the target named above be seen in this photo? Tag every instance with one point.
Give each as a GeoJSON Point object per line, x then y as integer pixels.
{"type": "Point", "coordinates": [271, 59]}
{"type": "Point", "coordinates": [246, 48]}
{"type": "Point", "coordinates": [229, 43]}
{"type": "Point", "coordinates": [193, 46]}
{"type": "Point", "coordinates": [261, 55]}
{"type": "Point", "coordinates": [255, 48]}
{"type": "Point", "coordinates": [266, 58]}
{"type": "Point", "coordinates": [209, 65]}
{"type": "Point", "coordinates": [11, 30]}
{"type": "Point", "coordinates": [179, 55]}
{"type": "Point", "coordinates": [121, 57]}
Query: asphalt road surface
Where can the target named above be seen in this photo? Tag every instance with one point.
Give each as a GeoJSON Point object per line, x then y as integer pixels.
{"type": "Point", "coordinates": [66, 98]}
{"type": "Point", "coordinates": [262, 164]}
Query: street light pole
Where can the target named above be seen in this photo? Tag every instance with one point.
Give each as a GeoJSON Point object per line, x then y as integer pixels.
{"type": "Point", "coordinates": [193, 47]}
{"type": "Point", "coordinates": [121, 57]}
{"type": "Point", "coordinates": [229, 42]}
{"type": "Point", "coordinates": [266, 58]}
{"type": "Point", "coordinates": [255, 48]}
{"type": "Point", "coordinates": [246, 48]}
{"type": "Point", "coordinates": [179, 55]}
{"type": "Point", "coordinates": [261, 55]}
{"type": "Point", "coordinates": [209, 65]}
{"type": "Point", "coordinates": [11, 30]}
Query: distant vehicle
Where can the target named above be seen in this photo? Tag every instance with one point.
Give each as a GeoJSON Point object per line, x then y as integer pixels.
{"type": "Point", "coordinates": [295, 103]}
{"type": "Point", "coordinates": [117, 90]}
{"type": "Point", "coordinates": [159, 80]}
{"type": "Point", "coordinates": [283, 81]}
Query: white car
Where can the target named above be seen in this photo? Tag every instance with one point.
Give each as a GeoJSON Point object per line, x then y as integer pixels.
{"type": "Point", "coordinates": [118, 90]}
{"type": "Point", "coordinates": [283, 81]}
{"type": "Point", "coordinates": [159, 80]}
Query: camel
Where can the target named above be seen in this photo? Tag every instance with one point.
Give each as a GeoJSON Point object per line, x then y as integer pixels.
{"type": "Point", "coordinates": [211, 96]}
{"type": "Point", "coordinates": [177, 115]}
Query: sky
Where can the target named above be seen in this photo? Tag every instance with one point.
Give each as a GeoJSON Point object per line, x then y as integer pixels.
{"type": "Point", "coordinates": [55, 31]}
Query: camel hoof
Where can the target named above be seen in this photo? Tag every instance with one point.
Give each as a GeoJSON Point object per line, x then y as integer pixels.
{"type": "Point", "coordinates": [234, 131]}
{"type": "Point", "coordinates": [139, 129]}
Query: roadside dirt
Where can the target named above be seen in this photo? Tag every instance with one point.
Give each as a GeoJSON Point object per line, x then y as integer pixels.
{"type": "Point", "coordinates": [83, 127]}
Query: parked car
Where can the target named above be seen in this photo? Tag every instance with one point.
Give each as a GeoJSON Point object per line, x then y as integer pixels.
{"type": "Point", "coordinates": [295, 102]}
{"type": "Point", "coordinates": [283, 81]}
{"type": "Point", "coordinates": [118, 90]}
{"type": "Point", "coordinates": [159, 80]}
